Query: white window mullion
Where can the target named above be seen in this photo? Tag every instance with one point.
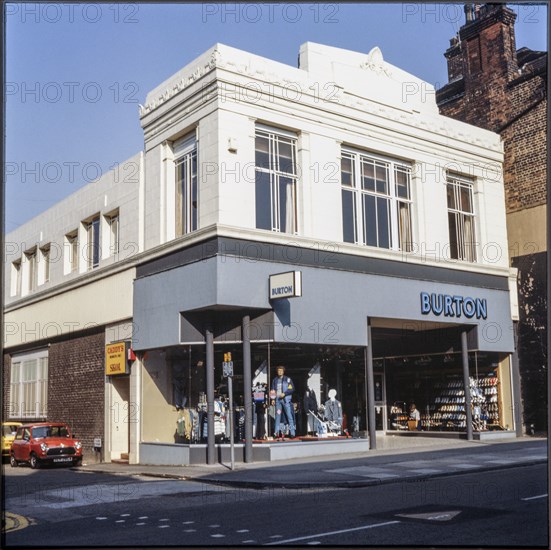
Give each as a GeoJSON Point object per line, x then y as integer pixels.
{"type": "Point", "coordinates": [358, 199]}
{"type": "Point", "coordinates": [393, 207]}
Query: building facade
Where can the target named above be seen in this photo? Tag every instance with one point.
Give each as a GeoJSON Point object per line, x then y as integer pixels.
{"type": "Point", "coordinates": [326, 218]}
{"type": "Point", "coordinates": [496, 86]}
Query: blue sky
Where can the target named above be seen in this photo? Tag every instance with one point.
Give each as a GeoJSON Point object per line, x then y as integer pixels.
{"type": "Point", "coordinates": [75, 73]}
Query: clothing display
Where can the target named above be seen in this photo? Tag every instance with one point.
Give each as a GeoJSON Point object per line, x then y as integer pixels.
{"type": "Point", "coordinates": [333, 411]}
{"type": "Point", "coordinates": [283, 385]}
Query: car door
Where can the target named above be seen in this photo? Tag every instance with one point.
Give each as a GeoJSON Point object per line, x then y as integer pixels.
{"type": "Point", "coordinates": [16, 445]}
{"type": "Point", "coordinates": [25, 445]}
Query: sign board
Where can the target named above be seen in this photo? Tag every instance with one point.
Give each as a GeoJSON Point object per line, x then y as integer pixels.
{"type": "Point", "coordinates": [227, 367]}
{"type": "Point", "coordinates": [97, 441]}
{"type": "Point", "coordinates": [116, 361]}
{"type": "Point", "coordinates": [285, 285]}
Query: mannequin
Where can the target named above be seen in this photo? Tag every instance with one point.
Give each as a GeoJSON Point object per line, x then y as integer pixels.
{"type": "Point", "coordinates": [333, 408]}
{"type": "Point", "coordinates": [310, 404]}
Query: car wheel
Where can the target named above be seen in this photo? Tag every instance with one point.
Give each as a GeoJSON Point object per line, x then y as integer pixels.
{"type": "Point", "coordinates": [34, 462]}
{"type": "Point", "coordinates": [13, 462]}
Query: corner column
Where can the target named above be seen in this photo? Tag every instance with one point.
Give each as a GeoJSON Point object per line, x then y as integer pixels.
{"type": "Point", "coordinates": [247, 389]}
{"type": "Point", "coordinates": [466, 385]}
{"type": "Point", "coordinates": [370, 379]}
{"type": "Point", "coordinates": [211, 451]}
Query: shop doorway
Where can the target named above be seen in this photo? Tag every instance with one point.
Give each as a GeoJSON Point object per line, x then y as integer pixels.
{"type": "Point", "coordinates": [119, 417]}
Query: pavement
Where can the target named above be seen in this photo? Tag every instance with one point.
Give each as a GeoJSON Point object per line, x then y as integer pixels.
{"type": "Point", "coordinates": [396, 458]}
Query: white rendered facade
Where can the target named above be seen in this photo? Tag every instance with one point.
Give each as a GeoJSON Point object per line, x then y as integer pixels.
{"type": "Point", "coordinates": [201, 127]}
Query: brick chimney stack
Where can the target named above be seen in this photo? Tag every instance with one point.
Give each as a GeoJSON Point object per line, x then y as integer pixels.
{"type": "Point", "coordinates": [483, 56]}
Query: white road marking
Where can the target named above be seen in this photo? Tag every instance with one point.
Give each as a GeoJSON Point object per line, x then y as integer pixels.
{"type": "Point", "coordinates": [120, 521]}
{"type": "Point", "coordinates": [141, 523]}
{"type": "Point", "coordinates": [111, 493]}
{"type": "Point", "coordinates": [218, 535]}
{"type": "Point", "coordinates": [143, 517]}
{"type": "Point", "coordinates": [248, 541]}
{"type": "Point", "coordinates": [533, 498]}
{"type": "Point", "coordinates": [101, 517]}
{"type": "Point", "coordinates": [334, 533]}
{"type": "Point", "coordinates": [242, 531]}
{"type": "Point", "coordinates": [164, 519]}
{"type": "Point", "coordinates": [215, 526]}
{"type": "Point", "coordinates": [187, 522]}
{"type": "Point", "coordinates": [190, 530]}
{"type": "Point", "coordinates": [276, 537]}
{"type": "Point", "coordinates": [164, 526]}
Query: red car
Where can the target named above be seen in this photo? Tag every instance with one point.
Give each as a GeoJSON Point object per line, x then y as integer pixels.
{"type": "Point", "coordinates": [45, 443]}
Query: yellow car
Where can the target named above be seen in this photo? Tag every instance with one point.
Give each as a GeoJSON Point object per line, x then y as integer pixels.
{"type": "Point", "coordinates": [8, 435]}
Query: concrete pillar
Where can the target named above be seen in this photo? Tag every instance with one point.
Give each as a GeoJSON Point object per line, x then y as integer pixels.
{"type": "Point", "coordinates": [247, 389]}
{"type": "Point", "coordinates": [211, 451]}
{"type": "Point", "coordinates": [370, 389]}
{"type": "Point", "coordinates": [466, 385]}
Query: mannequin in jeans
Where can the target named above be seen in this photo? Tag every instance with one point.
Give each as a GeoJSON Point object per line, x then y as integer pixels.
{"type": "Point", "coordinates": [283, 387]}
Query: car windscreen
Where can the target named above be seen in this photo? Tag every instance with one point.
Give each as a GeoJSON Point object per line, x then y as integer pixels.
{"type": "Point", "coordinates": [50, 431]}
{"type": "Point", "coordinates": [8, 429]}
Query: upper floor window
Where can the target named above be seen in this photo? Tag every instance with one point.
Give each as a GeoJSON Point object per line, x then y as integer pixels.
{"type": "Point", "coordinates": [111, 227]}
{"type": "Point", "coordinates": [15, 278]}
{"type": "Point", "coordinates": [276, 180]}
{"type": "Point", "coordinates": [461, 218]}
{"type": "Point", "coordinates": [32, 270]}
{"type": "Point", "coordinates": [376, 201]}
{"type": "Point", "coordinates": [93, 243]}
{"type": "Point", "coordinates": [44, 275]}
{"type": "Point", "coordinates": [185, 158]}
{"type": "Point", "coordinates": [71, 252]}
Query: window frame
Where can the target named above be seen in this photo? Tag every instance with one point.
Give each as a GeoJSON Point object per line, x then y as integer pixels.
{"type": "Point", "coordinates": [276, 137]}
{"type": "Point", "coordinates": [24, 382]}
{"type": "Point", "coordinates": [16, 277]}
{"type": "Point", "coordinates": [93, 242]}
{"type": "Point", "coordinates": [400, 238]}
{"type": "Point", "coordinates": [186, 184]}
{"type": "Point", "coordinates": [459, 249]}
{"type": "Point", "coordinates": [45, 261]}
{"type": "Point", "coordinates": [31, 259]}
{"type": "Point", "coordinates": [71, 240]}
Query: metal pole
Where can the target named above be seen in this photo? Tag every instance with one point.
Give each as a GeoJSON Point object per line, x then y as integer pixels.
{"type": "Point", "coordinates": [211, 451]}
{"type": "Point", "coordinates": [466, 384]}
{"type": "Point", "coordinates": [247, 389]}
{"type": "Point", "coordinates": [370, 390]}
{"type": "Point", "coordinates": [232, 451]}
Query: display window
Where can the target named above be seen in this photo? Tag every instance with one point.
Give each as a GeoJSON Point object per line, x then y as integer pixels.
{"type": "Point", "coordinates": [426, 393]}
{"type": "Point", "coordinates": [320, 394]}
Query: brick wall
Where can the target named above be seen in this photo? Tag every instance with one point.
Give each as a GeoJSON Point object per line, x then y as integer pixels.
{"type": "Point", "coordinates": [76, 387]}
{"type": "Point", "coordinates": [492, 95]}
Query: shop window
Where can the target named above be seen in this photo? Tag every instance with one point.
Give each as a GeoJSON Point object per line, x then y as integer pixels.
{"type": "Point", "coordinates": [276, 180]}
{"type": "Point", "coordinates": [461, 218]}
{"type": "Point", "coordinates": [70, 262]}
{"type": "Point", "coordinates": [15, 278]}
{"type": "Point", "coordinates": [92, 242]}
{"type": "Point", "coordinates": [376, 201]}
{"type": "Point", "coordinates": [29, 385]}
{"type": "Point", "coordinates": [185, 155]}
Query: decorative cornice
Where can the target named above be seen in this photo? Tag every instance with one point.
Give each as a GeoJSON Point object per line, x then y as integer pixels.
{"type": "Point", "coordinates": [181, 84]}
{"type": "Point", "coordinates": [375, 62]}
